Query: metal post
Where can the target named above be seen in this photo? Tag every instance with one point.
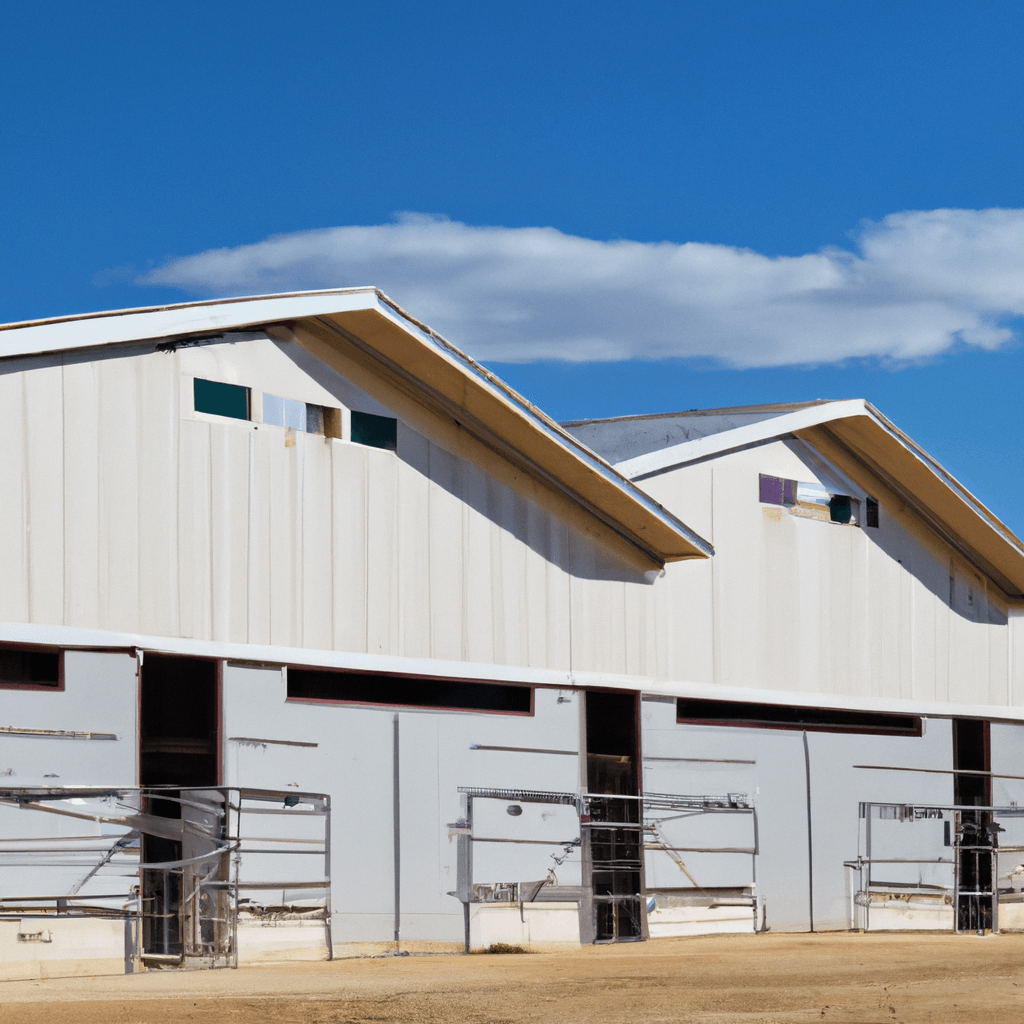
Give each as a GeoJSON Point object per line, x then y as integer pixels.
{"type": "Point", "coordinates": [956, 871]}
{"type": "Point", "coordinates": [329, 919]}
{"type": "Point", "coordinates": [867, 857]}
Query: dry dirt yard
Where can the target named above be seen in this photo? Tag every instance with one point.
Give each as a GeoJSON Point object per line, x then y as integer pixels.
{"type": "Point", "coordinates": [757, 979]}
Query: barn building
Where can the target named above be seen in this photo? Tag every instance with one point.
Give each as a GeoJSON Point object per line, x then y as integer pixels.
{"type": "Point", "coordinates": [316, 639]}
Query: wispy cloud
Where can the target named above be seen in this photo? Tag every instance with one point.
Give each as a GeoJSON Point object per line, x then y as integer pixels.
{"type": "Point", "coordinates": [912, 285]}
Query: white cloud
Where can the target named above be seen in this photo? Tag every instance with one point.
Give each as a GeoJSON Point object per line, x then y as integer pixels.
{"type": "Point", "coordinates": [917, 284]}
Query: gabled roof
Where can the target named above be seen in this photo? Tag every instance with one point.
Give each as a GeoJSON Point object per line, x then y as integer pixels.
{"type": "Point", "coordinates": [443, 378]}
{"type": "Point", "coordinates": [647, 445]}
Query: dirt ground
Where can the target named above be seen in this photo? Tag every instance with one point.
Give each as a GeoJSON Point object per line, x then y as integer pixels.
{"type": "Point", "coordinates": [756, 979]}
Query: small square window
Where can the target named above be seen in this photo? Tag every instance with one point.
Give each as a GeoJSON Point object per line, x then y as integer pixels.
{"type": "Point", "coordinates": [375, 431]}
{"type": "Point", "coordinates": [871, 513]}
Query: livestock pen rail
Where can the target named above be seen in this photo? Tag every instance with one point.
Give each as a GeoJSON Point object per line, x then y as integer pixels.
{"type": "Point", "coordinates": [964, 857]}
{"type": "Point", "coordinates": [177, 865]}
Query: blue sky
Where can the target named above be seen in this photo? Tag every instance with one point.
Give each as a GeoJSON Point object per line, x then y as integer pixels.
{"type": "Point", "coordinates": [743, 202]}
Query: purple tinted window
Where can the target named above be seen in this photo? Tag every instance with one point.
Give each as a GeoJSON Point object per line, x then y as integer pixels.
{"type": "Point", "coordinates": [776, 491]}
{"type": "Point", "coordinates": [771, 489]}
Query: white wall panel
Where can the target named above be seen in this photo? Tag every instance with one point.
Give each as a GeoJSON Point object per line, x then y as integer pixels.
{"type": "Point", "coordinates": [229, 532]}
{"type": "Point", "coordinates": [194, 523]}
{"type": "Point", "coordinates": [14, 534]}
{"type": "Point", "coordinates": [317, 555]}
{"type": "Point", "coordinates": [159, 425]}
{"type": "Point", "coordinates": [44, 411]}
{"type": "Point", "coordinates": [82, 484]}
{"type": "Point", "coordinates": [350, 536]}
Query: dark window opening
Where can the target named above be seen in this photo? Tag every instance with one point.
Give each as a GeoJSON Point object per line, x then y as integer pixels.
{"type": "Point", "coordinates": [375, 431]}
{"type": "Point", "coordinates": [179, 727]}
{"type": "Point", "coordinates": [614, 853]}
{"type": "Point", "coordinates": [840, 508]}
{"type": "Point", "coordinates": [782, 716]}
{"type": "Point", "coordinates": [29, 669]}
{"type": "Point", "coordinates": [871, 513]}
{"type": "Point", "coordinates": [407, 691]}
{"type": "Point", "coordinates": [971, 754]}
{"type": "Point", "coordinates": [612, 765]}
{"type": "Point", "coordinates": [976, 836]}
{"type": "Point", "coordinates": [218, 399]}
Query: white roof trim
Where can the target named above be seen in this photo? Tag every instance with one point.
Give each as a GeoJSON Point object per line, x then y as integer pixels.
{"type": "Point", "coordinates": [213, 316]}
{"type": "Point", "coordinates": [76, 638]}
{"type": "Point", "coordinates": [740, 437]}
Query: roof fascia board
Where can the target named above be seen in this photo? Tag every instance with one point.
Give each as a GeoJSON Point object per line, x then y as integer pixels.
{"type": "Point", "coordinates": [717, 444]}
{"type": "Point", "coordinates": [94, 330]}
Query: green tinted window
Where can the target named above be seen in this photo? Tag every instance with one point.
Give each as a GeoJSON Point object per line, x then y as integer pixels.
{"type": "Point", "coordinates": [221, 399]}
{"type": "Point", "coordinates": [375, 431]}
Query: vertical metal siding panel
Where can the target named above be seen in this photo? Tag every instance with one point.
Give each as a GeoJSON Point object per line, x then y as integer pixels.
{"type": "Point", "coordinates": [510, 536]}
{"type": "Point", "coordinates": [883, 631]}
{"type": "Point", "coordinates": [943, 632]}
{"type": "Point", "coordinates": [82, 495]}
{"type": "Point", "coordinates": [14, 534]}
{"type": "Point", "coordinates": [478, 589]}
{"type": "Point", "coordinates": [194, 570]}
{"type": "Point", "coordinates": [349, 482]}
{"type": "Point", "coordinates": [839, 595]}
{"type": "Point", "coordinates": [998, 661]}
{"type": "Point", "coordinates": [413, 469]}
{"type": "Point", "coordinates": [598, 612]}
{"type": "Point", "coordinates": [382, 553]}
{"type": "Point", "coordinates": [496, 573]}
{"type": "Point", "coordinates": [159, 418]}
{"type": "Point", "coordinates": [446, 556]}
{"type": "Point", "coordinates": [557, 583]}
{"type": "Point", "coordinates": [1015, 627]}
{"type": "Point", "coordinates": [285, 487]}
{"type": "Point", "coordinates": [682, 601]}
{"type": "Point", "coordinates": [317, 557]}
{"type": "Point", "coordinates": [260, 489]}
{"type": "Point", "coordinates": [906, 618]}
{"type": "Point", "coordinates": [633, 626]}
{"type": "Point", "coordinates": [538, 610]}
{"type": "Point", "coordinates": [923, 607]}
{"type": "Point", "coordinates": [44, 460]}
{"type": "Point", "coordinates": [745, 589]}
{"type": "Point", "coordinates": [229, 531]}
{"type": "Point", "coordinates": [119, 494]}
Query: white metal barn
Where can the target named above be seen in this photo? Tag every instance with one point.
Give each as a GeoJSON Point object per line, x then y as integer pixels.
{"type": "Point", "coordinates": [315, 638]}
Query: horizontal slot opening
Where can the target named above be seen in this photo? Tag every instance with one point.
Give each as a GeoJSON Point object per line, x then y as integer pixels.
{"type": "Point", "coordinates": [782, 716]}
{"type": "Point", "coordinates": [309, 684]}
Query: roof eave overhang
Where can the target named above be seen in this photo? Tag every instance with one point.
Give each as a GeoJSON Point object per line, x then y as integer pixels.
{"type": "Point", "coordinates": [856, 431]}
{"type": "Point", "coordinates": [365, 317]}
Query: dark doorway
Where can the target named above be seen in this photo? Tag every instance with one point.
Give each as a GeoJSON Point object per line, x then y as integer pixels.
{"type": "Point", "coordinates": [976, 836]}
{"type": "Point", "coordinates": [179, 742]}
{"type": "Point", "coordinates": [613, 767]}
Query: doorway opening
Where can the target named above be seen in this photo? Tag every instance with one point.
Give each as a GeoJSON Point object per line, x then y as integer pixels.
{"type": "Point", "coordinates": [179, 703]}
{"type": "Point", "coordinates": [976, 839]}
{"type": "Point", "coordinates": [614, 851]}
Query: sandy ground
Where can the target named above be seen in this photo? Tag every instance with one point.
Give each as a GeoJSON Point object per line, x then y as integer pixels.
{"type": "Point", "coordinates": [762, 979]}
